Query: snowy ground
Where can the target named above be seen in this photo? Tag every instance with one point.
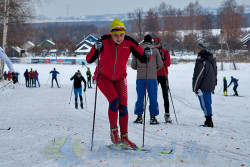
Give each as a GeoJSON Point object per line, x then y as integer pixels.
{"type": "Point", "coordinates": [47, 131]}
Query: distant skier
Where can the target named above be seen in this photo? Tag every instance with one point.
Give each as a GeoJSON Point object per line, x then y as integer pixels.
{"type": "Point", "coordinates": [9, 76]}
{"type": "Point", "coordinates": [54, 77]}
{"type": "Point", "coordinates": [5, 75]}
{"type": "Point", "coordinates": [78, 78]}
{"type": "Point", "coordinates": [93, 79]}
{"type": "Point", "coordinates": [36, 78]}
{"type": "Point", "coordinates": [225, 86]}
{"type": "Point", "coordinates": [235, 82]}
{"type": "Point", "coordinates": [205, 79]}
{"type": "Point", "coordinates": [154, 65]}
{"type": "Point", "coordinates": [31, 73]}
{"type": "Point", "coordinates": [89, 75]}
{"type": "Point", "coordinates": [162, 77]}
{"type": "Point", "coordinates": [27, 76]}
{"type": "Point", "coordinates": [115, 49]}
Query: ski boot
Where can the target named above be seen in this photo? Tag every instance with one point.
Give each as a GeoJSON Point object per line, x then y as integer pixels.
{"type": "Point", "coordinates": [81, 105]}
{"type": "Point", "coordinates": [76, 105]}
{"type": "Point", "coordinates": [167, 118]}
{"type": "Point", "coordinates": [126, 141]}
{"type": "Point", "coordinates": [208, 122]}
{"type": "Point", "coordinates": [153, 121]}
{"type": "Point", "coordinates": [138, 119]}
{"type": "Point", "coordinates": [114, 135]}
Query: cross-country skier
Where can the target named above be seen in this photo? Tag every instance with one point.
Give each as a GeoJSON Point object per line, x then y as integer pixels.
{"type": "Point", "coordinates": [5, 75]}
{"type": "Point", "coordinates": [78, 79]}
{"type": "Point", "coordinates": [27, 76]}
{"type": "Point", "coordinates": [162, 77]}
{"type": "Point", "coordinates": [225, 86]}
{"type": "Point", "coordinates": [205, 79]}
{"type": "Point", "coordinates": [154, 65]}
{"type": "Point", "coordinates": [115, 49]}
{"type": "Point", "coordinates": [54, 77]}
{"type": "Point", "coordinates": [9, 76]}
{"type": "Point", "coordinates": [235, 82]}
{"type": "Point", "coordinates": [89, 75]}
{"type": "Point", "coordinates": [36, 78]}
{"type": "Point", "coordinates": [31, 77]}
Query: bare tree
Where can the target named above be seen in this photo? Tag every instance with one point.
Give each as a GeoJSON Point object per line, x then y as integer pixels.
{"type": "Point", "coordinates": [151, 21]}
{"type": "Point", "coordinates": [230, 16]}
{"type": "Point", "coordinates": [136, 21]}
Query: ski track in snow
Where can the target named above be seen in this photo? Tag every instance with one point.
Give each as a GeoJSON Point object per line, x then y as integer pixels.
{"type": "Point", "coordinates": [39, 115]}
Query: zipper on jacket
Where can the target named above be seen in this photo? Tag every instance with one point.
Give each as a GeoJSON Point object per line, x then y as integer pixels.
{"type": "Point", "coordinates": [115, 61]}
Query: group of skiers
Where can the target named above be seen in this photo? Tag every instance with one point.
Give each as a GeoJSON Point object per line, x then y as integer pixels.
{"type": "Point", "coordinates": [225, 86]}
{"type": "Point", "coordinates": [31, 78]}
{"type": "Point", "coordinates": [8, 76]}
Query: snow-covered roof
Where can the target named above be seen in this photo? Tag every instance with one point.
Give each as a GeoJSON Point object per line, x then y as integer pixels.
{"type": "Point", "coordinates": [31, 43]}
{"type": "Point", "coordinates": [90, 38]}
{"type": "Point", "coordinates": [84, 48]}
{"type": "Point", "coordinates": [16, 48]}
{"type": "Point", "coordinates": [245, 39]}
{"type": "Point", "coordinates": [51, 42]}
{"type": "Point", "coordinates": [48, 42]}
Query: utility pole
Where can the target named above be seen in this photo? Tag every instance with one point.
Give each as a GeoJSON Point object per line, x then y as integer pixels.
{"type": "Point", "coordinates": [5, 30]}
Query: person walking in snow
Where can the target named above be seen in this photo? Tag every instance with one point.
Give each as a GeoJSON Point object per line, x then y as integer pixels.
{"type": "Point", "coordinates": [89, 75]}
{"type": "Point", "coordinates": [78, 79]}
{"type": "Point", "coordinates": [154, 65]}
{"type": "Point", "coordinates": [31, 73]}
{"type": "Point", "coordinates": [27, 76]}
{"type": "Point", "coordinates": [225, 86]}
{"type": "Point", "coordinates": [162, 77]}
{"type": "Point", "coordinates": [115, 49]}
{"type": "Point", "coordinates": [5, 75]}
{"type": "Point", "coordinates": [235, 82]}
{"type": "Point", "coordinates": [36, 78]}
{"type": "Point", "coordinates": [205, 79]}
{"type": "Point", "coordinates": [9, 76]}
{"type": "Point", "coordinates": [54, 77]}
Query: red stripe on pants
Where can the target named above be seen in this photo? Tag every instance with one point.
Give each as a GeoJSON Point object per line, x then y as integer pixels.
{"type": "Point", "coordinates": [113, 90]}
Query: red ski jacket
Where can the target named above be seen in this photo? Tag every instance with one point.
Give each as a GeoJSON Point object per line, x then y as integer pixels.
{"type": "Point", "coordinates": [9, 75]}
{"type": "Point", "coordinates": [114, 58]}
{"type": "Point", "coordinates": [31, 74]}
{"type": "Point", "coordinates": [166, 63]}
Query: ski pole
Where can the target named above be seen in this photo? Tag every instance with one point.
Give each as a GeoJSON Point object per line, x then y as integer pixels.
{"type": "Point", "coordinates": [145, 105]}
{"type": "Point", "coordinates": [93, 129]}
{"type": "Point", "coordinates": [47, 81]}
{"type": "Point", "coordinates": [172, 103]}
{"type": "Point", "coordinates": [71, 93]}
{"type": "Point", "coordinates": [6, 84]}
{"type": "Point", "coordinates": [170, 94]}
{"type": "Point", "coordinates": [219, 90]}
{"type": "Point", "coordinates": [85, 99]}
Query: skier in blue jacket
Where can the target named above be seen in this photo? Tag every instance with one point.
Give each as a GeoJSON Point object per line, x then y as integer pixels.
{"type": "Point", "coordinates": [235, 82]}
{"type": "Point", "coordinates": [54, 77]}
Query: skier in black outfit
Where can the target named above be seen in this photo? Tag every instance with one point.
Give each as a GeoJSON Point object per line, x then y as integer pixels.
{"type": "Point", "coordinates": [235, 82]}
{"type": "Point", "coordinates": [225, 86]}
{"type": "Point", "coordinates": [205, 79]}
{"type": "Point", "coordinates": [78, 78]}
{"type": "Point", "coordinates": [27, 77]}
{"type": "Point", "coordinates": [89, 75]}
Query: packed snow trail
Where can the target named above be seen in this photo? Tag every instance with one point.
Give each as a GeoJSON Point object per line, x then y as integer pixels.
{"type": "Point", "coordinates": [38, 116]}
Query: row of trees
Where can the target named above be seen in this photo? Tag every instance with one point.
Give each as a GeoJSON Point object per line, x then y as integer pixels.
{"type": "Point", "coordinates": [179, 29]}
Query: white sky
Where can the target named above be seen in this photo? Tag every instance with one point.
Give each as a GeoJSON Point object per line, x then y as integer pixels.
{"type": "Point", "coordinates": [57, 8]}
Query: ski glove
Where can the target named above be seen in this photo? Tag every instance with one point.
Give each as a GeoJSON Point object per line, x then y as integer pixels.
{"type": "Point", "coordinates": [199, 93]}
{"type": "Point", "coordinates": [148, 53]}
{"type": "Point", "coordinates": [84, 89]}
{"type": "Point", "coordinates": [98, 44]}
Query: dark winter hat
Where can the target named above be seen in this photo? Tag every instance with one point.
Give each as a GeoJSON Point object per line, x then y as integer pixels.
{"type": "Point", "coordinates": [201, 44]}
{"type": "Point", "coordinates": [148, 38]}
{"type": "Point", "coordinates": [78, 72]}
{"type": "Point", "coordinates": [54, 68]}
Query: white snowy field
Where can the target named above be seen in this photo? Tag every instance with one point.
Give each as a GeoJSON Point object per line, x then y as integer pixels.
{"type": "Point", "coordinates": [47, 131]}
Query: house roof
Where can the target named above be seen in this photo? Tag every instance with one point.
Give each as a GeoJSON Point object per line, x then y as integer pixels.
{"type": "Point", "coordinates": [16, 48]}
{"type": "Point", "coordinates": [84, 48]}
{"type": "Point", "coordinates": [47, 42]}
{"type": "Point", "coordinates": [90, 38]}
{"type": "Point", "coordinates": [246, 39]}
{"type": "Point", "coordinates": [31, 43]}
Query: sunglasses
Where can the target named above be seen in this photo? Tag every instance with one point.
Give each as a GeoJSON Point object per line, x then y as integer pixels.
{"type": "Point", "coordinates": [118, 29]}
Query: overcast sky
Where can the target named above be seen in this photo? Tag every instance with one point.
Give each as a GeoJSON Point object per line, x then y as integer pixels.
{"type": "Point", "coordinates": [57, 8]}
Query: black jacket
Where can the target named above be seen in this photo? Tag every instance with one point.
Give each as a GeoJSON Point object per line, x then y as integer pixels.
{"type": "Point", "coordinates": [205, 72]}
{"type": "Point", "coordinates": [77, 81]}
